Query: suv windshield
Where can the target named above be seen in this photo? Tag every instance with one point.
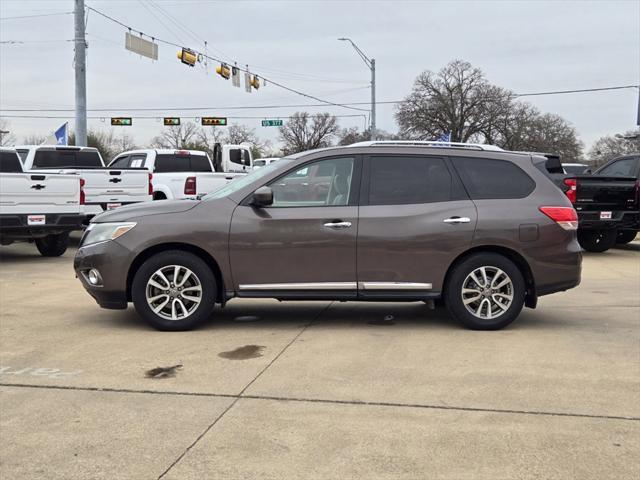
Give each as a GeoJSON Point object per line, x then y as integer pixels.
{"type": "Point", "coordinates": [239, 183]}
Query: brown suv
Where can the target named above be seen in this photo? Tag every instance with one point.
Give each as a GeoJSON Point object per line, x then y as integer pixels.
{"type": "Point", "coordinates": [483, 229]}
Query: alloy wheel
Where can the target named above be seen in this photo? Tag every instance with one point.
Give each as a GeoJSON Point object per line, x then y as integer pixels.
{"type": "Point", "coordinates": [173, 292]}
{"type": "Point", "coordinates": [487, 292]}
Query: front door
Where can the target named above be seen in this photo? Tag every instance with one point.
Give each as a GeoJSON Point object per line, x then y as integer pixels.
{"type": "Point", "coordinates": [304, 245]}
{"type": "Point", "coordinates": [415, 218]}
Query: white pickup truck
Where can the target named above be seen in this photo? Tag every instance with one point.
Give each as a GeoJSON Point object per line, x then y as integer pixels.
{"type": "Point", "coordinates": [181, 174]}
{"type": "Point", "coordinates": [38, 206]}
{"type": "Point", "coordinates": [105, 188]}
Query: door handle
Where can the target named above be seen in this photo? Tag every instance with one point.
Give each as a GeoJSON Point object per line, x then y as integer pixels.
{"type": "Point", "coordinates": [337, 225]}
{"type": "Point", "coordinates": [456, 220]}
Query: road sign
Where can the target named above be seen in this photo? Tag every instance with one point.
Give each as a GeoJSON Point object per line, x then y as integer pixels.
{"type": "Point", "coordinates": [171, 121]}
{"type": "Point", "coordinates": [141, 46]}
{"type": "Point", "coordinates": [214, 121]}
{"type": "Point", "coordinates": [272, 123]}
{"type": "Point", "coordinates": [121, 121]}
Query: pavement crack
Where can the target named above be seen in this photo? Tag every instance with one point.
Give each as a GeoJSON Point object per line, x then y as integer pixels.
{"type": "Point", "coordinates": [240, 395]}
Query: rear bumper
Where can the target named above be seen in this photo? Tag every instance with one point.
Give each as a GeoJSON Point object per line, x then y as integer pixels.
{"type": "Point", "coordinates": [16, 226]}
{"type": "Point", "coordinates": [623, 220]}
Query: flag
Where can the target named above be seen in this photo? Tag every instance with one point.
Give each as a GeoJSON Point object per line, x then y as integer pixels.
{"type": "Point", "coordinates": [445, 137]}
{"type": "Point", "coordinates": [59, 137]}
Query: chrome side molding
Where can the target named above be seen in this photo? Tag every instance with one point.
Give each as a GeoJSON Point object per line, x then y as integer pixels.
{"type": "Point", "coordinates": [394, 286]}
{"type": "Point", "coordinates": [369, 286]}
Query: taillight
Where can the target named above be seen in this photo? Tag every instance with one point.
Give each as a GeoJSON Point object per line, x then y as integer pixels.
{"type": "Point", "coordinates": [151, 184]}
{"type": "Point", "coordinates": [190, 186]}
{"type": "Point", "coordinates": [572, 193]}
{"type": "Point", "coordinates": [566, 217]}
{"type": "Point", "coordinates": [82, 197]}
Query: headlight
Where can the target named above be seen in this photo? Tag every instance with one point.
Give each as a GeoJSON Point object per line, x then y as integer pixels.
{"type": "Point", "coordinates": [101, 232]}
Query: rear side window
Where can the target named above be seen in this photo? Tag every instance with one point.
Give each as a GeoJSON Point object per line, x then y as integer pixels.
{"type": "Point", "coordinates": [200, 163]}
{"type": "Point", "coordinates": [398, 180]}
{"type": "Point", "coordinates": [120, 162]}
{"type": "Point", "coordinates": [489, 179]}
{"type": "Point", "coordinates": [10, 162]}
{"type": "Point", "coordinates": [621, 168]}
{"type": "Point", "coordinates": [66, 158]}
{"type": "Point", "coordinates": [178, 163]}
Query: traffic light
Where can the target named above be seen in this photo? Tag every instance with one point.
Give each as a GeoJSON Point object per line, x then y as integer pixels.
{"type": "Point", "coordinates": [255, 82]}
{"type": "Point", "coordinates": [214, 121]}
{"type": "Point", "coordinates": [188, 57]}
{"type": "Point", "coordinates": [121, 121]}
{"type": "Point", "coordinates": [171, 121]}
{"type": "Point", "coordinates": [224, 71]}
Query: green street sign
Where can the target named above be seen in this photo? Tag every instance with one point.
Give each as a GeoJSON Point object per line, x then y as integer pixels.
{"type": "Point", "coordinates": [272, 123]}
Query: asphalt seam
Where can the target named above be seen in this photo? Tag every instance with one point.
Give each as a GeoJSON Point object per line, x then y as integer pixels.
{"type": "Point", "coordinates": [240, 395]}
{"type": "Point", "coordinates": [326, 401]}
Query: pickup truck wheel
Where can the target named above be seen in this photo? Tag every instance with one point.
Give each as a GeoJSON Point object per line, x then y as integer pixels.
{"type": "Point", "coordinates": [626, 236]}
{"type": "Point", "coordinates": [485, 291]}
{"type": "Point", "coordinates": [174, 290]}
{"type": "Point", "coordinates": [597, 241]}
{"type": "Point", "coordinates": [159, 196]}
{"type": "Point", "coordinates": [53, 245]}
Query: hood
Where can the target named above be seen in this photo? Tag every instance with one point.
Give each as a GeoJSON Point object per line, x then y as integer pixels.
{"type": "Point", "coordinates": [144, 209]}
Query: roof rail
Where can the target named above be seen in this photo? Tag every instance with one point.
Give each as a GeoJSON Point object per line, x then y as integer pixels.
{"type": "Point", "coordinates": [422, 143]}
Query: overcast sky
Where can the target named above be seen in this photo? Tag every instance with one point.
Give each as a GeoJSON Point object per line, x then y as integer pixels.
{"type": "Point", "coordinates": [525, 46]}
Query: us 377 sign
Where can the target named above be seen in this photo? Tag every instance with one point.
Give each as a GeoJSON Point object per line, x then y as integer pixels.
{"type": "Point", "coordinates": [272, 123]}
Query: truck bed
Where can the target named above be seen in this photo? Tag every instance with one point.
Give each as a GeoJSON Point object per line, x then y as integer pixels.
{"type": "Point", "coordinates": [598, 193]}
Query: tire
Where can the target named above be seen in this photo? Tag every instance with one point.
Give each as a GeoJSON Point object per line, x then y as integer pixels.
{"type": "Point", "coordinates": [192, 313]}
{"type": "Point", "coordinates": [159, 196]}
{"type": "Point", "coordinates": [626, 236]}
{"type": "Point", "coordinates": [53, 245]}
{"type": "Point", "coordinates": [597, 241]}
{"type": "Point", "coordinates": [498, 313]}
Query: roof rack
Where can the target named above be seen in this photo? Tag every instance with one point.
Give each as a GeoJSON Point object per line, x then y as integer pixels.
{"type": "Point", "coordinates": [421, 143]}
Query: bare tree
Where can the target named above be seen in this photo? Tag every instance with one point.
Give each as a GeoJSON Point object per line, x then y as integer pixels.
{"type": "Point", "coordinates": [6, 139]}
{"type": "Point", "coordinates": [34, 139]}
{"type": "Point", "coordinates": [347, 136]}
{"type": "Point", "coordinates": [180, 136]}
{"type": "Point", "coordinates": [611, 146]}
{"type": "Point", "coordinates": [306, 132]}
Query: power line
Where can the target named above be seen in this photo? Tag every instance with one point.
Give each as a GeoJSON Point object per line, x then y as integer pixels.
{"type": "Point", "coordinates": [156, 117]}
{"type": "Point", "coordinates": [269, 107]}
{"type": "Point", "coordinates": [35, 16]}
{"type": "Point", "coordinates": [246, 70]}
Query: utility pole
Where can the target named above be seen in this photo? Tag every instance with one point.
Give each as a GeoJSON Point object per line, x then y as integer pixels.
{"type": "Point", "coordinates": [81, 74]}
{"type": "Point", "coordinates": [371, 63]}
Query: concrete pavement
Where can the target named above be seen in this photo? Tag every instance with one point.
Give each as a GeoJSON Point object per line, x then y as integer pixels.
{"type": "Point", "coordinates": [319, 389]}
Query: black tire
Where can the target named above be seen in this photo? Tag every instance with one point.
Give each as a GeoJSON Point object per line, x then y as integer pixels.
{"type": "Point", "coordinates": [203, 274]}
{"type": "Point", "coordinates": [159, 196]}
{"type": "Point", "coordinates": [626, 236]}
{"type": "Point", "coordinates": [456, 280]}
{"type": "Point", "coordinates": [597, 241]}
{"type": "Point", "coordinates": [53, 245]}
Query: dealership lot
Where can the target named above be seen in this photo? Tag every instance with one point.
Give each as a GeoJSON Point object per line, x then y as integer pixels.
{"type": "Point", "coordinates": [319, 389]}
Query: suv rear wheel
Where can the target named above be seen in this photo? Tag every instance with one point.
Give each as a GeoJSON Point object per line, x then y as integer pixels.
{"type": "Point", "coordinates": [485, 291]}
{"type": "Point", "coordinates": [174, 290]}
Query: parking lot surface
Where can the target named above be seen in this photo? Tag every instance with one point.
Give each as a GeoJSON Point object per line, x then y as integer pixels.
{"type": "Point", "coordinates": [319, 389]}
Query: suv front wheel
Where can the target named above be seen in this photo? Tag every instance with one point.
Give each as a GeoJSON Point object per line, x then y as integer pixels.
{"type": "Point", "coordinates": [174, 290]}
{"type": "Point", "coordinates": [485, 291]}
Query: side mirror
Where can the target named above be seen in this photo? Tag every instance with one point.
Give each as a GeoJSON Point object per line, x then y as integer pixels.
{"type": "Point", "coordinates": [262, 197]}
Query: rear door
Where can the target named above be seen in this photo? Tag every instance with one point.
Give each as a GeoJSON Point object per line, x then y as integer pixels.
{"type": "Point", "coordinates": [414, 220]}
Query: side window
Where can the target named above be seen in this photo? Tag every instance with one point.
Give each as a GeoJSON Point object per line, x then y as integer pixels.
{"type": "Point", "coordinates": [200, 163]}
{"type": "Point", "coordinates": [120, 162]}
{"type": "Point", "coordinates": [621, 168]}
{"type": "Point", "coordinates": [137, 161]}
{"type": "Point", "coordinates": [322, 183]}
{"type": "Point", "coordinates": [403, 180]}
{"type": "Point", "coordinates": [488, 179]}
{"type": "Point", "coordinates": [10, 162]}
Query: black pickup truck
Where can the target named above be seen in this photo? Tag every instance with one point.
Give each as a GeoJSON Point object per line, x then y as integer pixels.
{"type": "Point", "coordinates": [607, 203]}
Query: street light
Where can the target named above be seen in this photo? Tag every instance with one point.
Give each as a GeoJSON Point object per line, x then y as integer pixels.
{"type": "Point", "coordinates": [371, 63]}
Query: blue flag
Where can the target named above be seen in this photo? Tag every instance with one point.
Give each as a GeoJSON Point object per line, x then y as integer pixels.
{"type": "Point", "coordinates": [445, 137]}
{"type": "Point", "coordinates": [61, 134]}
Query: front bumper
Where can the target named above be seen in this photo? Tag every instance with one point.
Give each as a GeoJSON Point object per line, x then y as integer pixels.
{"type": "Point", "coordinates": [112, 260]}
{"type": "Point", "coordinates": [621, 220]}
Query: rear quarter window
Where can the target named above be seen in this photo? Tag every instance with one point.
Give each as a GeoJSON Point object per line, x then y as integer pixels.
{"type": "Point", "coordinates": [10, 162]}
{"type": "Point", "coordinates": [493, 179]}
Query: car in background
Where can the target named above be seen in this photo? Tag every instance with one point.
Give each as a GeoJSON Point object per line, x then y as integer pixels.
{"type": "Point", "coordinates": [575, 168]}
{"type": "Point", "coordinates": [263, 162]}
{"type": "Point", "coordinates": [484, 229]}
{"type": "Point", "coordinates": [38, 207]}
